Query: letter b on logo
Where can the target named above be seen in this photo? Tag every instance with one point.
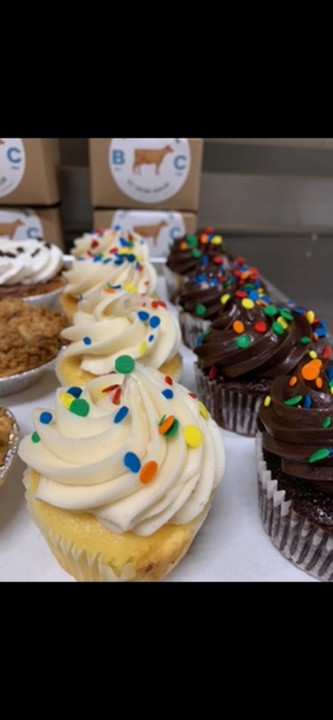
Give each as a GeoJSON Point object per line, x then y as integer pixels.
{"type": "Point", "coordinates": [118, 157]}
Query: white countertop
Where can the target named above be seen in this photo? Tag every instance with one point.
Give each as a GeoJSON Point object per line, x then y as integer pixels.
{"type": "Point", "coordinates": [231, 545]}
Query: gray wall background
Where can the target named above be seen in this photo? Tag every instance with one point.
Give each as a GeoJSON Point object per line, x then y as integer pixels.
{"type": "Point", "coordinates": [271, 198]}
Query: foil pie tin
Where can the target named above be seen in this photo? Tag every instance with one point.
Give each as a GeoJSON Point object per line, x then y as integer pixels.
{"type": "Point", "coordinates": [12, 447]}
{"type": "Point", "coordinates": [16, 383]}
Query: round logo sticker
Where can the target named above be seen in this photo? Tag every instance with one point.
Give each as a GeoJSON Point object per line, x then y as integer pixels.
{"type": "Point", "coordinates": [12, 164]}
{"type": "Point", "coordinates": [19, 224]}
{"type": "Point", "coordinates": [149, 170]}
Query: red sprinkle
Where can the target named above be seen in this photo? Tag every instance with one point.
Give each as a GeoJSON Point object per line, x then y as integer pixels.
{"type": "Point", "coordinates": [168, 380]}
{"type": "Point", "coordinates": [326, 352]}
{"type": "Point", "coordinates": [212, 373]}
{"type": "Point", "coordinates": [113, 250]}
{"type": "Point", "coordinates": [116, 397]}
{"type": "Point", "coordinates": [240, 293]}
{"type": "Point", "coordinates": [218, 260]}
{"type": "Point", "coordinates": [193, 395]}
{"type": "Point", "coordinates": [94, 244]}
{"type": "Point", "coordinates": [260, 326]}
{"type": "Point", "coordinates": [110, 388]}
{"type": "Point", "coordinates": [156, 303]}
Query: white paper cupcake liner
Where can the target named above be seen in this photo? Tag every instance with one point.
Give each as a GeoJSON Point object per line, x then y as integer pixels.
{"type": "Point", "coordinates": [191, 327]}
{"type": "Point", "coordinates": [174, 283]}
{"type": "Point", "coordinates": [232, 410]}
{"type": "Point", "coordinates": [307, 546]}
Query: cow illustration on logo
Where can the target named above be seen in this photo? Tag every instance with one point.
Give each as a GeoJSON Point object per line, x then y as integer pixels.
{"type": "Point", "coordinates": [1, 142]}
{"type": "Point", "coordinates": [149, 156]}
{"type": "Point", "coordinates": [149, 170]}
{"type": "Point", "coordinates": [8, 229]}
{"type": "Point", "coordinates": [150, 231]}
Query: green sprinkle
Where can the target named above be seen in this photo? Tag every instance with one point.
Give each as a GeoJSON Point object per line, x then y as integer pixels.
{"type": "Point", "coordinates": [320, 454]}
{"type": "Point", "coordinates": [162, 420]}
{"type": "Point", "coordinates": [200, 310]}
{"type": "Point", "coordinates": [35, 437]}
{"type": "Point", "coordinates": [326, 422]}
{"type": "Point", "coordinates": [294, 400]}
{"type": "Point", "coordinates": [277, 327]}
{"type": "Point", "coordinates": [79, 406]}
{"type": "Point", "coordinates": [196, 253]}
{"type": "Point", "coordinates": [173, 430]}
{"type": "Point", "coordinates": [270, 310]}
{"type": "Point", "coordinates": [286, 314]}
{"type": "Point", "coordinates": [124, 364]}
{"type": "Point", "coordinates": [243, 341]}
{"type": "Point", "coordinates": [192, 240]}
{"type": "Point", "coordinates": [330, 383]}
{"type": "Point", "coordinates": [305, 340]}
{"type": "Point", "coordinates": [206, 332]}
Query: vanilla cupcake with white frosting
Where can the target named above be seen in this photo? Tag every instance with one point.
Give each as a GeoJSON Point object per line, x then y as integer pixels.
{"type": "Point", "coordinates": [115, 322]}
{"type": "Point", "coordinates": [121, 474]}
{"type": "Point", "coordinates": [125, 266]}
{"type": "Point", "coordinates": [30, 269]}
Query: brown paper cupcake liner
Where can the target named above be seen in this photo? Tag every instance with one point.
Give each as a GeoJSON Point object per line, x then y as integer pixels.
{"type": "Point", "coordinates": [232, 410]}
{"type": "Point", "coordinates": [307, 546]}
{"type": "Point", "coordinates": [191, 328]}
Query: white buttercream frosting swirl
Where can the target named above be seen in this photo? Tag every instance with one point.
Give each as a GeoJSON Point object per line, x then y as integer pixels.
{"type": "Point", "coordinates": [28, 261]}
{"type": "Point", "coordinates": [117, 322]}
{"type": "Point", "coordinates": [122, 267]}
{"type": "Point", "coordinates": [102, 241]}
{"type": "Point", "coordinates": [137, 450]}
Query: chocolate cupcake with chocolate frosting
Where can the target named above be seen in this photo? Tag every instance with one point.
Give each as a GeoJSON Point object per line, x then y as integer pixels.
{"type": "Point", "coordinates": [201, 296]}
{"type": "Point", "coordinates": [191, 254]}
{"type": "Point", "coordinates": [295, 466]}
{"type": "Point", "coordinates": [251, 342]}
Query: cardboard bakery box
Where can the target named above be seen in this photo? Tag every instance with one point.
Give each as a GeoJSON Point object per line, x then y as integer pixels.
{"type": "Point", "coordinates": [141, 172]}
{"type": "Point", "coordinates": [29, 171]}
{"type": "Point", "coordinates": [21, 223]}
{"type": "Point", "coordinates": [158, 227]}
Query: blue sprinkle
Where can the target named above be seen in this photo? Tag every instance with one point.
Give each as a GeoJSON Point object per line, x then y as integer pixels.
{"type": "Point", "coordinates": [201, 277]}
{"type": "Point", "coordinates": [330, 451]}
{"type": "Point", "coordinates": [45, 418]}
{"type": "Point", "coordinates": [132, 462]}
{"type": "Point", "coordinates": [253, 295]}
{"type": "Point", "coordinates": [329, 372]}
{"type": "Point", "coordinates": [151, 338]}
{"type": "Point", "coordinates": [265, 298]}
{"type": "Point", "coordinates": [137, 265]}
{"type": "Point", "coordinates": [198, 341]}
{"type": "Point", "coordinates": [256, 283]}
{"type": "Point", "coordinates": [299, 310]}
{"type": "Point", "coordinates": [80, 258]}
{"type": "Point", "coordinates": [87, 340]}
{"type": "Point", "coordinates": [307, 402]}
{"type": "Point", "coordinates": [123, 242]}
{"type": "Point", "coordinates": [168, 394]}
{"type": "Point", "coordinates": [130, 258]}
{"type": "Point", "coordinates": [120, 414]}
{"type": "Point", "coordinates": [75, 391]}
{"type": "Point", "coordinates": [320, 331]}
{"type": "Point", "coordinates": [154, 321]}
{"type": "Point", "coordinates": [115, 287]}
{"type": "Point", "coordinates": [204, 260]}
{"type": "Point", "coordinates": [97, 258]}
{"type": "Point", "coordinates": [118, 261]}
{"type": "Point", "coordinates": [143, 315]}
{"type": "Point", "coordinates": [108, 260]}
{"type": "Point", "coordinates": [213, 282]}
{"type": "Point", "coordinates": [117, 227]}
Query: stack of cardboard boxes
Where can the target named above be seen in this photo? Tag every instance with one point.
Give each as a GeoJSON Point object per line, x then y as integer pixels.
{"type": "Point", "coordinates": [30, 189]}
{"type": "Point", "coordinates": [146, 185]}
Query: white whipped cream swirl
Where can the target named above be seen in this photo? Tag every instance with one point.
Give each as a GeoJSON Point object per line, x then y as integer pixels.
{"type": "Point", "coordinates": [28, 261]}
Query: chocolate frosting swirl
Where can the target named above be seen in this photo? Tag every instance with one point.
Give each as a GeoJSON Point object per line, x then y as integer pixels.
{"type": "Point", "coordinates": [252, 338]}
{"type": "Point", "coordinates": [297, 422]}
{"type": "Point", "coordinates": [195, 251]}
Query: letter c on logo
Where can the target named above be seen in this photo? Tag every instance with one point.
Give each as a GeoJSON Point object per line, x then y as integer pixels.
{"type": "Point", "coordinates": [14, 155]}
{"type": "Point", "coordinates": [180, 162]}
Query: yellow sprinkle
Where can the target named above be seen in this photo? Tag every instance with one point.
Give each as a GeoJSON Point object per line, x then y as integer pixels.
{"type": "Point", "coordinates": [331, 389]}
{"type": "Point", "coordinates": [248, 304]}
{"type": "Point", "coordinates": [267, 400]}
{"type": "Point", "coordinates": [143, 347]}
{"type": "Point", "coordinates": [217, 240]}
{"type": "Point", "coordinates": [124, 251]}
{"type": "Point", "coordinates": [224, 298]}
{"type": "Point", "coordinates": [282, 322]}
{"type": "Point", "coordinates": [310, 316]}
{"type": "Point", "coordinates": [313, 354]}
{"type": "Point", "coordinates": [66, 399]}
{"type": "Point", "coordinates": [203, 410]}
{"type": "Point", "coordinates": [130, 288]}
{"type": "Point", "coordinates": [192, 435]}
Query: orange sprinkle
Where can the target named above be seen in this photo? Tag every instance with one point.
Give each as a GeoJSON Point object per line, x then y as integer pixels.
{"type": "Point", "coordinates": [183, 246]}
{"type": "Point", "coordinates": [238, 327]}
{"type": "Point", "coordinates": [293, 381]}
{"type": "Point", "coordinates": [166, 424]}
{"type": "Point", "coordinates": [319, 382]}
{"type": "Point", "coordinates": [311, 370]}
{"type": "Point", "coordinates": [148, 472]}
{"type": "Point", "coordinates": [203, 239]}
{"type": "Point", "coordinates": [245, 274]}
